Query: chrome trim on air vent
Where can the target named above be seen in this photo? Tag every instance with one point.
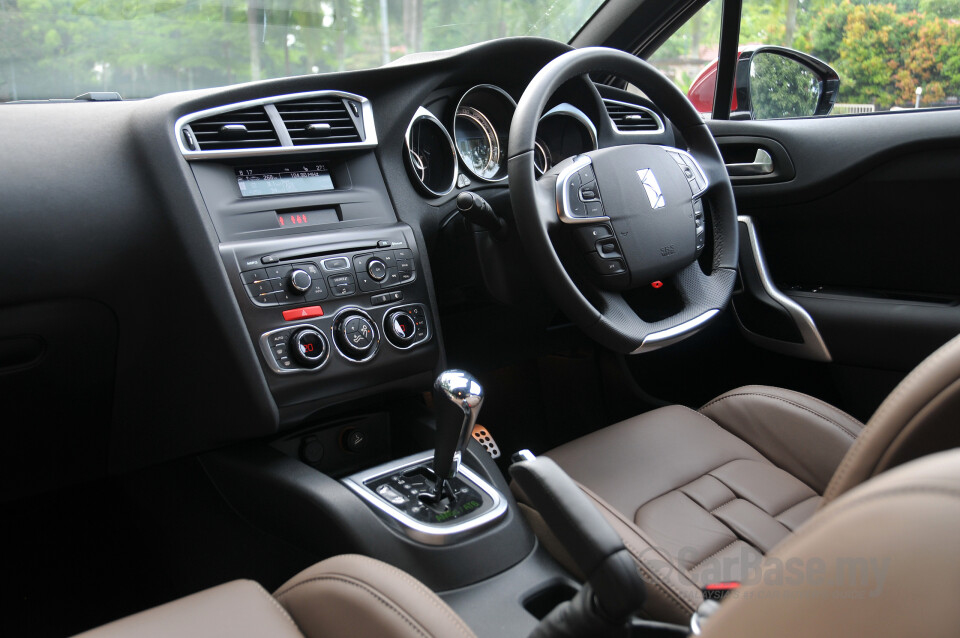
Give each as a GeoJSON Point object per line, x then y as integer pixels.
{"type": "Point", "coordinates": [635, 107]}
{"type": "Point", "coordinates": [366, 130]}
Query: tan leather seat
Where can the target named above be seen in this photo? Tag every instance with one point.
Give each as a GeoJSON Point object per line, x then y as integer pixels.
{"type": "Point", "coordinates": [701, 496]}
{"type": "Point", "coordinates": [344, 596]}
{"type": "Point", "coordinates": [882, 560]}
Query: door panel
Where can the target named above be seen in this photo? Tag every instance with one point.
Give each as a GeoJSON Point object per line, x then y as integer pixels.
{"type": "Point", "coordinates": [862, 239]}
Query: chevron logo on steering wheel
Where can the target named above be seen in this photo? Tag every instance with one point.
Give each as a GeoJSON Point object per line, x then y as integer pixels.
{"type": "Point", "coordinates": [651, 187]}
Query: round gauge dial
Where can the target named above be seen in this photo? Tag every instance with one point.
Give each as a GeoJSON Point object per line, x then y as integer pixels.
{"type": "Point", "coordinates": [430, 154]}
{"type": "Point", "coordinates": [541, 158]}
{"type": "Point", "coordinates": [477, 142]}
{"type": "Point", "coordinates": [481, 127]}
{"type": "Point", "coordinates": [563, 131]}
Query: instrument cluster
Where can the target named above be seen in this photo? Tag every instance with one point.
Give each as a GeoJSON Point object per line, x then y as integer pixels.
{"type": "Point", "coordinates": [477, 148]}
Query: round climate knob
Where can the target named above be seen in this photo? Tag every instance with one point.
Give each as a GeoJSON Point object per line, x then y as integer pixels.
{"type": "Point", "coordinates": [300, 281]}
{"type": "Point", "coordinates": [308, 347]}
{"type": "Point", "coordinates": [355, 335]}
{"type": "Point", "coordinates": [400, 328]}
{"type": "Point", "coordinates": [377, 270]}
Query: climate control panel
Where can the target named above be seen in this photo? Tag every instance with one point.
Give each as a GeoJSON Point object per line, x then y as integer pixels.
{"type": "Point", "coordinates": [353, 335]}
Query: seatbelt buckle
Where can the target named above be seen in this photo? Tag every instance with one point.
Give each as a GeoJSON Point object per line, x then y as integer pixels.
{"type": "Point", "coordinates": [717, 591]}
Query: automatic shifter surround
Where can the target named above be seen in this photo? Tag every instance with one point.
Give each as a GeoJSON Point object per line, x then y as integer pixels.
{"type": "Point", "coordinates": [393, 491]}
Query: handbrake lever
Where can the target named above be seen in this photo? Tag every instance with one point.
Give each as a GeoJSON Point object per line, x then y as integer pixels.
{"type": "Point", "coordinates": [614, 583]}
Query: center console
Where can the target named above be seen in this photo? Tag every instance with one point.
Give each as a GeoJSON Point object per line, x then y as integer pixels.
{"type": "Point", "coordinates": [335, 293]}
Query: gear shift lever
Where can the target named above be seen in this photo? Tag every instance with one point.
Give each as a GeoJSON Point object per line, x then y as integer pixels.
{"type": "Point", "coordinates": [457, 398]}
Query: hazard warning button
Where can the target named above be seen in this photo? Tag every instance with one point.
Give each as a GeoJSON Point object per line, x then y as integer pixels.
{"type": "Point", "coordinates": [306, 312]}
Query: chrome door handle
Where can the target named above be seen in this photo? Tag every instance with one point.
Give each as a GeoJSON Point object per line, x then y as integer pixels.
{"type": "Point", "coordinates": [762, 164]}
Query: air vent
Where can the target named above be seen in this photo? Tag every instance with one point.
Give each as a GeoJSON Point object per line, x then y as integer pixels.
{"type": "Point", "coordinates": [318, 120]}
{"type": "Point", "coordinates": [242, 129]}
{"type": "Point", "coordinates": [631, 118]}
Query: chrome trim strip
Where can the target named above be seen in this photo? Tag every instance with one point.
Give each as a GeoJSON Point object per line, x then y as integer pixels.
{"type": "Point", "coordinates": [504, 151]}
{"type": "Point", "coordinates": [416, 342]}
{"type": "Point", "coordinates": [660, 126]}
{"type": "Point", "coordinates": [813, 346]}
{"type": "Point", "coordinates": [333, 335]}
{"type": "Point", "coordinates": [423, 113]}
{"type": "Point", "coordinates": [366, 112]}
{"type": "Point", "coordinates": [656, 340]}
{"type": "Point", "coordinates": [272, 362]}
{"type": "Point", "coordinates": [571, 111]}
{"type": "Point", "coordinates": [563, 197]}
{"type": "Point", "coordinates": [692, 162]}
{"type": "Point", "coordinates": [423, 532]}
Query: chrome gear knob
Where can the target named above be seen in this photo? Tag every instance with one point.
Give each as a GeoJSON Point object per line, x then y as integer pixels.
{"type": "Point", "coordinates": [457, 398]}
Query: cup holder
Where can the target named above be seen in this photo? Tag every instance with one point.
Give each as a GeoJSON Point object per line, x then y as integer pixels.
{"type": "Point", "coordinates": [542, 601]}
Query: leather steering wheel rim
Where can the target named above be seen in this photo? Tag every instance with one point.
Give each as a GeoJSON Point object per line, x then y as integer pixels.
{"type": "Point", "coordinates": [604, 315]}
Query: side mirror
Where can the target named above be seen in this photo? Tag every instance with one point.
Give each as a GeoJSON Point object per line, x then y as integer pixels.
{"type": "Point", "coordinates": [774, 82]}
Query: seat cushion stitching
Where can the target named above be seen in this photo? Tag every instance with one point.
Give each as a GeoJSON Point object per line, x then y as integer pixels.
{"type": "Point", "coordinates": [428, 594]}
{"type": "Point", "coordinates": [730, 502]}
{"type": "Point", "coordinates": [277, 605]}
{"type": "Point", "coordinates": [366, 589]}
{"type": "Point", "coordinates": [707, 473]}
{"type": "Point", "coordinates": [814, 525]}
{"type": "Point", "coordinates": [741, 496]}
{"type": "Point", "coordinates": [677, 598]}
{"type": "Point", "coordinates": [836, 424]}
{"type": "Point", "coordinates": [719, 507]}
{"type": "Point", "coordinates": [719, 551]}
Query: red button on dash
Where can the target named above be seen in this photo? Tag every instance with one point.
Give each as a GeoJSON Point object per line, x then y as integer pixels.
{"type": "Point", "coordinates": [303, 313]}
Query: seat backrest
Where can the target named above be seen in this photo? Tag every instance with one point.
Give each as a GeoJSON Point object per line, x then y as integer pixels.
{"type": "Point", "coordinates": [921, 416]}
{"type": "Point", "coordinates": [879, 561]}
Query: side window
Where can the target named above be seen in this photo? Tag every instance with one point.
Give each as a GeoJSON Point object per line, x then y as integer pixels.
{"type": "Point", "coordinates": [886, 54]}
{"type": "Point", "coordinates": [688, 55]}
{"type": "Point", "coordinates": [889, 54]}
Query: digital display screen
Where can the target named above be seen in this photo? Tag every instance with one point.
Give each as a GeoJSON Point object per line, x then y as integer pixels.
{"type": "Point", "coordinates": [284, 180]}
{"type": "Point", "coordinates": [307, 218]}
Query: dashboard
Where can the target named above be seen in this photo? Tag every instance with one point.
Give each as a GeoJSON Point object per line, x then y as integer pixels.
{"type": "Point", "coordinates": [211, 266]}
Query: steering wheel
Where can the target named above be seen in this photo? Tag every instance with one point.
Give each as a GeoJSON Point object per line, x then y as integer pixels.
{"type": "Point", "coordinates": [625, 216]}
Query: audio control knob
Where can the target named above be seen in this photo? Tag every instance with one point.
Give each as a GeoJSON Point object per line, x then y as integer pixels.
{"type": "Point", "coordinates": [300, 281]}
{"type": "Point", "coordinates": [309, 347]}
{"type": "Point", "coordinates": [377, 270]}
{"type": "Point", "coordinates": [400, 328]}
{"type": "Point", "coordinates": [355, 335]}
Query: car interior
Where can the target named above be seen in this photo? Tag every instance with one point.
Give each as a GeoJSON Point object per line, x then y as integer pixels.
{"type": "Point", "coordinates": [510, 339]}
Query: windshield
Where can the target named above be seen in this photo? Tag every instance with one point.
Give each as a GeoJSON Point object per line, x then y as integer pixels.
{"type": "Point", "coordinates": [141, 48]}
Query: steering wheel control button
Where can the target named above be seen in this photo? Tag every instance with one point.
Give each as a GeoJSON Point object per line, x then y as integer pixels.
{"type": "Point", "coordinates": [589, 192]}
{"type": "Point", "coordinates": [605, 266]}
{"type": "Point", "coordinates": [309, 347]}
{"type": "Point", "coordinates": [307, 312]}
{"type": "Point", "coordinates": [377, 269]}
{"type": "Point", "coordinates": [608, 249]}
{"type": "Point", "coordinates": [588, 236]}
{"type": "Point", "coordinates": [578, 195]}
{"type": "Point", "coordinates": [355, 335]}
{"type": "Point", "coordinates": [586, 174]}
